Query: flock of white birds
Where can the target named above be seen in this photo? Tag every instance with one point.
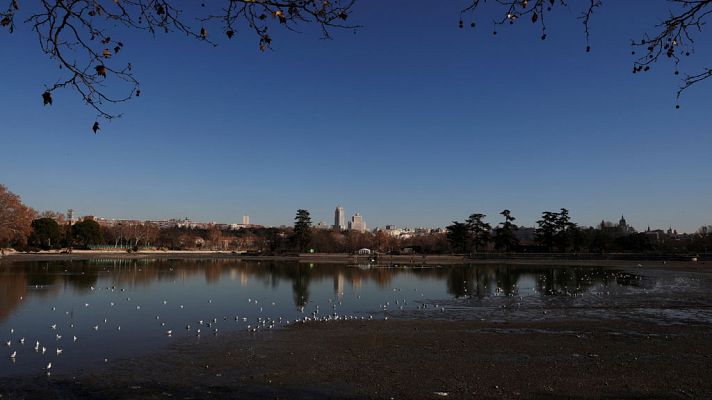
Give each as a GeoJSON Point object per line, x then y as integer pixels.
{"type": "Point", "coordinates": [64, 331]}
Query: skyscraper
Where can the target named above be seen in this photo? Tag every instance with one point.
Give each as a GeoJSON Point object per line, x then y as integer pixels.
{"type": "Point", "coordinates": [339, 218]}
{"type": "Point", "coordinates": [245, 220]}
{"type": "Point", "coordinates": [357, 223]}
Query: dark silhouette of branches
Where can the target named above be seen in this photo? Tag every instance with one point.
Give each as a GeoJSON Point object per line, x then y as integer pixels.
{"type": "Point", "coordinates": [673, 38]}
{"type": "Point", "coordinates": [535, 10]}
{"type": "Point", "coordinates": [82, 35]}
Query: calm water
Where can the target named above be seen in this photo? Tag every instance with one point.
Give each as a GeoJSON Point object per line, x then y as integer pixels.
{"type": "Point", "coordinates": [124, 308]}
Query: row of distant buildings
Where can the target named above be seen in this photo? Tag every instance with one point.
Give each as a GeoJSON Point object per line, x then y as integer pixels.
{"type": "Point", "coordinates": [357, 223]}
{"type": "Point", "coordinates": [161, 224]}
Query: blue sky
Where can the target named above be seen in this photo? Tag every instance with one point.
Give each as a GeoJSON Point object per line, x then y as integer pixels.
{"type": "Point", "coordinates": [408, 120]}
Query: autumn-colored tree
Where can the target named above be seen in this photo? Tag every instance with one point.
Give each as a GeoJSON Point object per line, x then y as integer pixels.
{"type": "Point", "coordinates": [15, 219]}
{"type": "Point", "coordinates": [55, 215]}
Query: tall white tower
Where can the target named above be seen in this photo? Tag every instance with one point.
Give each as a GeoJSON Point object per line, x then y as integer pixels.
{"type": "Point", "coordinates": [340, 218]}
{"type": "Point", "coordinates": [245, 220]}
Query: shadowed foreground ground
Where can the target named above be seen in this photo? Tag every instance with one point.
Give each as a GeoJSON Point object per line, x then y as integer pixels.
{"type": "Point", "coordinates": [421, 359]}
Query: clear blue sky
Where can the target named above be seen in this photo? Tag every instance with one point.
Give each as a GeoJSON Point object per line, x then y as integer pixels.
{"type": "Point", "coordinates": [409, 120]}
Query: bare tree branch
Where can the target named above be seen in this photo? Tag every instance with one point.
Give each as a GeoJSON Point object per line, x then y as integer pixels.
{"type": "Point", "coordinates": [671, 39]}
{"type": "Point", "coordinates": [80, 34]}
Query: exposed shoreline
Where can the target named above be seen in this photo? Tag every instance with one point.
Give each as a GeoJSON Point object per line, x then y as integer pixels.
{"type": "Point", "coordinates": [413, 359]}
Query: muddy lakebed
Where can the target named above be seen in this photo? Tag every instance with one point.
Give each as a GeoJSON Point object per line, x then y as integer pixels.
{"type": "Point", "coordinates": [106, 328]}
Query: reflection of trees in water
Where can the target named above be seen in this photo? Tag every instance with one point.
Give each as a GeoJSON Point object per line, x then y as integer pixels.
{"type": "Point", "coordinates": [13, 285]}
{"type": "Point", "coordinates": [482, 281]}
{"type": "Point", "coordinates": [212, 273]}
{"type": "Point", "coordinates": [461, 280]}
{"type": "Point", "coordinates": [568, 281]}
{"type": "Point", "coordinates": [300, 276]}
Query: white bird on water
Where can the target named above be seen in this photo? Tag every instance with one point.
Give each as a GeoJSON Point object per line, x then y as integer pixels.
{"type": "Point", "coordinates": [59, 351]}
{"type": "Point", "coordinates": [13, 355]}
{"type": "Point", "coordinates": [49, 366]}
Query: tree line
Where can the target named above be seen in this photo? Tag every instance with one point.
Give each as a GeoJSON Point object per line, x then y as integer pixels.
{"type": "Point", "coordinates": [555, 232]}
{"type": "Point", "coordinates": [24, 229]}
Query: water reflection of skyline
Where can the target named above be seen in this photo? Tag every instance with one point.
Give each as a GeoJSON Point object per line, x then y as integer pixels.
{"type": "Point", "coordinates": [27, 280]}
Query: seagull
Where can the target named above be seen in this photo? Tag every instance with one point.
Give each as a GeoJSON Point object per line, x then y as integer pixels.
{"type": "Point", "coordinates": [13, 355]}
{"type": "Point", "coordinates": [58, 337]}
{"type": "Point", "coordinates": [49, 366]}
{"type": "Point", "coordinates": [53, 326]}
{"type": "Point", "coordinates": [8, 343]}
{"type": "Point", "coordinates": [44, 349]}
{"type": "Point", "coordinates": [96, 327]}
{"type": "Point", "coordinates": [75, 339]}
{"type": "Point", "coordinates": [169, 332]}
{"type": "Point", "coordinates": [37, 345]}
{"type": "Point", "coordinates": [59, 351]}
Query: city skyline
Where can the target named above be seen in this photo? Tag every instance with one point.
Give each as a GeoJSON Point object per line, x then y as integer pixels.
{"type": "Point", "coordinates": [340, 215]}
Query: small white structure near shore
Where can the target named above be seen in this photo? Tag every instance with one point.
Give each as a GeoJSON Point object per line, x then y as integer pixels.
{"type": "Point", "coordinates": [364, 252]}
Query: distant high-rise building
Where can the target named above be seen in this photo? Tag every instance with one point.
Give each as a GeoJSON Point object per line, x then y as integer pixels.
{"type": "Point", "coordinates": [357, 223]}
{"type": "Point", "coordinates": [339, 219]}
{"type": "Point", "coordinates": [245, 220]}
{"type": "Point", "coordinates": [70, 216]}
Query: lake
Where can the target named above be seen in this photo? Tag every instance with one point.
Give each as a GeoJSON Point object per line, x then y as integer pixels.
{"type": "Point", "coordinates": [85, 314]}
